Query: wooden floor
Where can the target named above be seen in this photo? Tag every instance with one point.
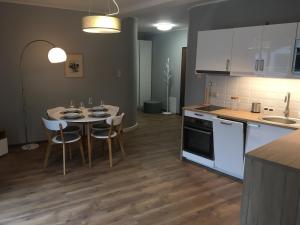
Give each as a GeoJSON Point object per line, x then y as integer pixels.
{"type": "Point", "coordinates": [151, 186]}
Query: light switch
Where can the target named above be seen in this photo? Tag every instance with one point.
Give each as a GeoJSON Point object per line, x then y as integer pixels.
{"type": "Point", "coordinates": [119, 73]}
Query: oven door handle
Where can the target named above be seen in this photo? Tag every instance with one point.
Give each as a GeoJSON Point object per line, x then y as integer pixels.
{"type": "Point", "coordinates": [196, 130]}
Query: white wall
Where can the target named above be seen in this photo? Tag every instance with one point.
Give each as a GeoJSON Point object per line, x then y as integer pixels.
{"type": "Point", "coordinates": [268, 91]}
{"type": "Point", "coordinates": [166, 45]}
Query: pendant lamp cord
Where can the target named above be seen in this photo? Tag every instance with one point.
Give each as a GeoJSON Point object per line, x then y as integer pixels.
{"type": "Point", "coordinates": [109, 13]}
{"type": "Point", "coordinates": [117, 7]}
{"type": "Point", "coordinates": [90, 6]}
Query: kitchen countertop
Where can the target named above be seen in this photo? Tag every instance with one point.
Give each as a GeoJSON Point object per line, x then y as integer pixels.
{"type": "Point", "coordinates": [240, 115]}
{"type": "Point", "coordinates": [285, 151]}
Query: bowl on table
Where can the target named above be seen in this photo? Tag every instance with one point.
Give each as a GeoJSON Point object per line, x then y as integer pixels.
{"type": "Point", "coordinates": [71, 110]}
{"type": "Point", "coordinates": [72, 115]}
{"type": "Point", "coordinates": [98, 109]}
{"type": "Point", "coordinates": [99, 114]}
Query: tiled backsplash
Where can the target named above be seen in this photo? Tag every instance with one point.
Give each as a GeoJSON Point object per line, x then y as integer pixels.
{"type": "Point", "coordinates": [270, 92]}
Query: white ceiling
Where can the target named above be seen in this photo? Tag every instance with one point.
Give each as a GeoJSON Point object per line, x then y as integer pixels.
{"type": "Point", "coordinates": [148, 12]}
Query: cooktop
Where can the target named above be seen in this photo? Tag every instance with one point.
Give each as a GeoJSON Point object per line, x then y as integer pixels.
{"type": "Point", "coordinates": [210, 108]}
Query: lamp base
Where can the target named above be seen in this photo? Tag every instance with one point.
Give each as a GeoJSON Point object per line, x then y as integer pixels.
{"type": "Point", "coordinates": [167, 113]}
{"type": "Point", "coordinates": [29, 147]}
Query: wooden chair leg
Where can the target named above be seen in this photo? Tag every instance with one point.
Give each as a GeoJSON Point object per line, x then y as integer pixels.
{"type": "Point", "coordinates": [109, 152]}
{"type": "Point", "coordinates": [82, 152]}
{"type": "Point", "coordinates": [48, 150]}
{"type": "Point", "coordinates": [64, 159]}
{"type": "Point", "coordinates": [121, 145]}
{"type": "Point", "coordinates": [92, 144]}
{"type": "Point", "coordinates": [70, 151]}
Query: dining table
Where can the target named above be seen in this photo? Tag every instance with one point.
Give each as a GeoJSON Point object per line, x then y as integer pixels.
{"type": "Point", "coordinates": [87, 118]}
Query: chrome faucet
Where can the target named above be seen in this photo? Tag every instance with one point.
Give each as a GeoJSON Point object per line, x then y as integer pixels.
{"type": "Point", "coordinates": [287, 107]}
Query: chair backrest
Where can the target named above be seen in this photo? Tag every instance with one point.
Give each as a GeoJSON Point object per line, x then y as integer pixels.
{"type": "Point", "coordinates": [54, 110]}
{"type": "Point", "coordinates": [112, 109]}
{"type": "Point", "coordinates": [54, 125]}
{"type": "Point", "coordinates": [115, 120]}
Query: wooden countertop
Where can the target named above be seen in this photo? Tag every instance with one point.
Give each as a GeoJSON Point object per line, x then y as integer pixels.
{"type": "Point", "coordinates": [240, 115]}
{"type": "Point", "coordinates": [284, 151]}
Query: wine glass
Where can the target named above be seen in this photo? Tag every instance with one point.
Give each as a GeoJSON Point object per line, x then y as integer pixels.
{"type": "Point", "coordinates": [101, 103]}
{"type": "Point", "coordinates": [90, 101]}
{"type": "Point", "coordinates": [72, 104]}
{"type": "Point", "coordinates": [82, 104]}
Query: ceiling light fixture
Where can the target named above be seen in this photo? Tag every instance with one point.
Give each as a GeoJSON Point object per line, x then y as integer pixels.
{"type": "Point", "coordinates": [164, 26]}
{"type": "Point", "coordinates": [106, 24]}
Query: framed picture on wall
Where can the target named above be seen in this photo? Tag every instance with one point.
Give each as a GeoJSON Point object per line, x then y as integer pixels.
{"type": "Point", "coordinates": [74, 65]}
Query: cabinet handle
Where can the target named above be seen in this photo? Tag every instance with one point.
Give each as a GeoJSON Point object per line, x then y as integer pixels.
{"type": "Point", "coordinates": [262, 65]}
{"type": "Point", "coordinates": [196, 130]}
{"type": "Point", "coordinates": [224, 123]}
{"type": "Point", "coordinates": [256, 65]}
{"type": "Point", "coordinates": [227, 64]}
{"type": "Point", "coordinates": [198, 114]}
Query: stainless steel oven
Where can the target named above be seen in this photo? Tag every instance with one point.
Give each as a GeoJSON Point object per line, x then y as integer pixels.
{"type": "Point", "coordinates": [198, 137]}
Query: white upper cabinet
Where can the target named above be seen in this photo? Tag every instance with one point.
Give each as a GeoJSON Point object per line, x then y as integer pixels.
{"type": "Point", "coordinates": [246, 51]}
{"type": "Point", "coordinates": [277, 51]}
{"type": "Point", "coordinates": [214, 50]}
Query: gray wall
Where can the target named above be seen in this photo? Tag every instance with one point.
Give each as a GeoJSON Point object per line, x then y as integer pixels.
{"type": "Point", "coordinates": [167, 45]}
{"type": "Point", "coordinates": [229, 14]}
{"type": "Point", "coordinates": [45, 84]}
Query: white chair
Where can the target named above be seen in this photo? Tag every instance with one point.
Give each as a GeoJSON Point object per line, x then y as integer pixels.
{"type": "Point", "coordinates": [55, 134]}
{"type": "Point", "coordinates": [115, 131]}
{"type": "Point", "coordinates": [69, 128]}
{"type": "Point", "coordinates": [103, 125]}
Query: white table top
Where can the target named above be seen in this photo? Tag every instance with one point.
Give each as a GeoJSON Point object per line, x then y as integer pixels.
{"type": "Point", "coordinates": [57, 115]}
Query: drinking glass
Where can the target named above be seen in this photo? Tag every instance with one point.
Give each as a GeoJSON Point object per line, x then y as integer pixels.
{"type": "Point", "coordinates": [90, 101]}
{"type": "Point", "coordinates": [101, 103]}
{"type": "Point", "coordinates": [82, 104]}
{"type": "Point", "coordinates": [72, 104]}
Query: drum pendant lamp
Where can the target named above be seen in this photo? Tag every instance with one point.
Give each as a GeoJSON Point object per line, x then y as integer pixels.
{"type": "Point", "coordinates": [105, 24]}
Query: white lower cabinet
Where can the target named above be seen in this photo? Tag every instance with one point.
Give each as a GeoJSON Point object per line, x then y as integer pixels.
{"type": "Point", "coordinates": [229, 147]}
{"type": "Point", "coordinates": [232, 141]}
{"type": "Point", "coordinates": [260, 134]}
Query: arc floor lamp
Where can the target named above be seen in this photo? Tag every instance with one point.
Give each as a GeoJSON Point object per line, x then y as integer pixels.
{"type": "Point", "coordinates": [55, 55]}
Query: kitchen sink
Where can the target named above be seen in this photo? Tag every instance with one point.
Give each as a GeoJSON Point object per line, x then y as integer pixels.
{"type": "Point", "coordinates": [281, 119]}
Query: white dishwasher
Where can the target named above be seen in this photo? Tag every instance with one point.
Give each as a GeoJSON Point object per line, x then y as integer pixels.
{"type": "Point", "coordinates": [229, 146]}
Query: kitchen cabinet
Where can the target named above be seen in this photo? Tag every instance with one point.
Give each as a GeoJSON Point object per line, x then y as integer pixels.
{"type": "Point", "coordinates": [258, 135]}
{"type": "Point", "coordinates": [229, 146]}
{"type": "Point", "coordinates": [246, 51]}
{"type": "Point", "coordinates": [277, 49]}
{"type": "Point", "coordinates": [298, 31]}
{"type": "Point", "coordinates": [214, 50]}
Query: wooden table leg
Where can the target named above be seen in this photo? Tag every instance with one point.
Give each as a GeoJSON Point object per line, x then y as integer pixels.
{"type": "Point", "coordinates": [89, 144]}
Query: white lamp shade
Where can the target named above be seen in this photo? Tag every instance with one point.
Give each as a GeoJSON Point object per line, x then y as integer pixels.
{"type": "Point", "coordinates": [101, 24]}
{"type": "Point", "coordinates": [57, 55]}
